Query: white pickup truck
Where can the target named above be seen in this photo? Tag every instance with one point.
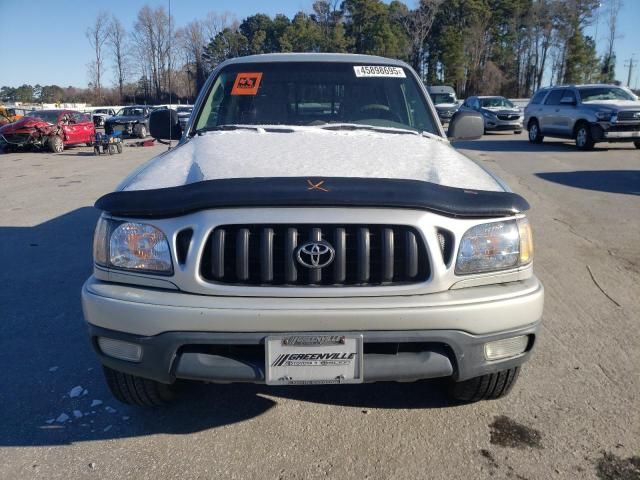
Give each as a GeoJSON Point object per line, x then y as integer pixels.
{"type": "Point", "coordinates": [313, 226]}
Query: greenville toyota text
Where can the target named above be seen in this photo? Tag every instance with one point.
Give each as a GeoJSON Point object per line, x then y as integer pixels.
{"type": "Point", "coordinates": [313, 226]}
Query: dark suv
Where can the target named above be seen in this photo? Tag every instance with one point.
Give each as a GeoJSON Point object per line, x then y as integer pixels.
{"type": "Point", "coordinates": [586, 113]}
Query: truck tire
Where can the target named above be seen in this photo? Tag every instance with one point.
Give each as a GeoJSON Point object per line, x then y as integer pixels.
{"type": "Point", "coordinates": [584, 140]}
{"type": "Point", "coordinates": [485, 387]}
{"type": "Point", "coordinates": [535, 136]}
{"type": "Point", "coordinates": [142, 131]}
{"type": "Point", "coordinates": [56, 145]}
{"type": "Point", "coordinates": [137, 391]}
{"type": "Point", "coordinates": [637, 144]}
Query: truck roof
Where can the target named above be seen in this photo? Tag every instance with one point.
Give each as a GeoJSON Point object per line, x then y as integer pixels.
{"type": "Point", "coordinates": [315, 57]}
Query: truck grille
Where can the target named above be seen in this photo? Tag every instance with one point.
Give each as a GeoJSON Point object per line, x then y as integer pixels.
{"type": "Point", "coordinates": [267, 255]}
{"type": "Point", "coordinates": [508, 117]}
{"type": "Point", "coordinates": [629, 116]}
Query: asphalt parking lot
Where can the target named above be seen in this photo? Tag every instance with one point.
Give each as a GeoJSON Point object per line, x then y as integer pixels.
{"type": "Point", "coordinates": [574, 413]}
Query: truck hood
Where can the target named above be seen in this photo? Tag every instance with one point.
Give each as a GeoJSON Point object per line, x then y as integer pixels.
{"type": "Point", "coordinates": [617, 104]}
{"type": "Point", "coordinates": [311, 152]}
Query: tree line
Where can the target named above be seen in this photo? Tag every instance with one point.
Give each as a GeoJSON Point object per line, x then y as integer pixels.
{"type": "Point", "coordinates": [506, 47]}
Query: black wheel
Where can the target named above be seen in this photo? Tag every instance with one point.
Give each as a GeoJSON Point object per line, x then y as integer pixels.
{"type": "Point", "coordinates": [535, 136]}
{"type": "Point", "coordinates": [119, 147]}
{"type": "Point", "coordinates": [56, 145]}
{"type": "Point", "coordinates": [637, 144]}
{"type": "Point", "coordinates": [112, 149]}
{"type": "Point", "coordinates": [485, 387]}
{"type": "Point", "coordinates": [137, 391]}
{"type": "Point", "coordinates": [96, 150]}
{"type": "Point", "coordinates": [584, 140]}
{"type": "Point", "coordinates": [517, 132]}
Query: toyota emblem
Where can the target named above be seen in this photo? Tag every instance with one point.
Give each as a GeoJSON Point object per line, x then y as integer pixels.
{"type": "Point", "coordinates": [315, 254]}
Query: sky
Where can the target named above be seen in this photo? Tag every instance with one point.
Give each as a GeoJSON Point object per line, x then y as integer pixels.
{"type": "Point", "coordinates": [50, 47]}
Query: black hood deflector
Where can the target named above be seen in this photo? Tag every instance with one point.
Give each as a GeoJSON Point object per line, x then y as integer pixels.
{"type": "Point", "coordinates": [311, 192]}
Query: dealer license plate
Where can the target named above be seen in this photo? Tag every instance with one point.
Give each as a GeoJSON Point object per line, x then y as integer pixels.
{"type": "Point", "coordinates": [313, 359]}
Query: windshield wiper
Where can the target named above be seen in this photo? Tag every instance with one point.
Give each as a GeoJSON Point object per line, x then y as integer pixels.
{"type": "Point", "coordinates": [373, 128]}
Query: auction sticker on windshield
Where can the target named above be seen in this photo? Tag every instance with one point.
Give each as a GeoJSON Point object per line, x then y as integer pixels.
{"type": "Point", "coordinates": [247, 83]}
{"type": "Point", "coordinates": [378, 71]}
{"type": "Point", "coordinates": [313, 359]}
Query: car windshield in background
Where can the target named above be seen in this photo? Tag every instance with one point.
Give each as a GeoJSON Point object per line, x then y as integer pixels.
{"type": "Point", "coordinates": [593, 94]}
{"type": "Point", "coordinates": [100, 110]}
{"type": "Point", "coordinates": [131, 112]}
{"type": "Point", "coordinates": [315, 94]}
{"type": "Point", "coordinates": [496, 102]}
{"type": "Point", "coordinates": [47, 116]}
{"type": "Point", "coordinates": [439, 98]}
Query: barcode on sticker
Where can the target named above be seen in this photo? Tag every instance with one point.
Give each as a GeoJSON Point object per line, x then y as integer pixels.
{"type": "Point", "coordinates": [378, 71]}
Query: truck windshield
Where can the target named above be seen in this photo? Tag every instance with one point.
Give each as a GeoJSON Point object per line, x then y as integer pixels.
{"type": "Point", "coordinates": [439, 98]}
{"type": "Point", "coordinates": [305, 93]}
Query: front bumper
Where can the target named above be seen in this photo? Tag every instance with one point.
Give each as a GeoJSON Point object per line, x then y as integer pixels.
{"type": "Point", "coordinates": [221, 339]}
{"type": "Point", "coordinates": [502, 125]}
{"type": "Point", "coordinates": [615, 132]}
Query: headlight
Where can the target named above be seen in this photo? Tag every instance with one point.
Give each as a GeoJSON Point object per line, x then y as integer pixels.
{"type": "Point", "coordinates": [495, 246]}
{"type": "Point", "coordinates": [131, 246]}
{"type": "Point", "coordinates": [604, 115]}
{"type": "Point", "coordinates": [489, 114]}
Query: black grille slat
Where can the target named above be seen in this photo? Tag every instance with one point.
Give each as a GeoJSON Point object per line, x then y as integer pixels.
{"type": "Point", "coordinates": [628, 115]}
{"type": "Point", "coordinates": [266, 255]}
{"type": "Point", "coordinates": [291, 242]}
{"type": "Point", "coordinates": [387, 254]}
{"type": "Point", "coordinates": [242, 254]}
{"type": "Point", "coordinates": [340, 246]}
{"type": "Point", "coordinates": [411, 255]}
{"type": "Point", "coordinates": [217, 253]}
{"type": "Point", "coordinates": [364, 255]}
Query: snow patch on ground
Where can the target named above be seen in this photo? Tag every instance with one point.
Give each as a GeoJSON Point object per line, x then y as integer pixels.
{"type": "Point", "coordinates": [312, 152]}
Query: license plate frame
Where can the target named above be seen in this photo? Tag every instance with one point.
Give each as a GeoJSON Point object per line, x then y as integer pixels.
{"type": "Point", "coordinates": [326, 359]}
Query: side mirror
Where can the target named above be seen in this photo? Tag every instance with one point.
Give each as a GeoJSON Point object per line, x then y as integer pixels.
{"type": "Point", "coordinates": [164, 125]}
{"type": "Point", "coordinates": [567, 101]}
{"type": "Point", "coordinates": [465, 125]}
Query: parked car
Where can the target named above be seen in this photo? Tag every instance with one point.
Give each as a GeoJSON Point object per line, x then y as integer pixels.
{"type": "Point", "coordinates": [184, 113]}
{"type": "Point", "coordinates": [586, 113]}
{"type": "Point", "coordinates": [100, 115]}
{"type": "Point", "coordinates": [499, 113]}
{"type": "Point", "coordinates": [52, 129]}
{"type": "Point", "coordinates": [132, 121]}
{"type": "Point", "coordinates": [445, 101]}
{"type": "Point", "coordinates": [287, 245]}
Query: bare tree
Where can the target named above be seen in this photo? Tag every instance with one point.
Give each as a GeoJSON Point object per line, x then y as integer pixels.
{"type": "Point", "coordinates": [116, 38]}
{"type": "Point", "coordinates": [608, 66]}
{"type": "Point", "coordinates": [97, 36]}
{"type": "Point", "coordinates": [417, 24]}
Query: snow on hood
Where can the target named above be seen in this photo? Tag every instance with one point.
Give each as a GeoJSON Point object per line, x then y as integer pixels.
{"type": "Point", "coordinates": [311, 152]}
{"type": "Point", "coordinates": [446, 105]}
{"type": "Point", "coordinates": [503, 109]}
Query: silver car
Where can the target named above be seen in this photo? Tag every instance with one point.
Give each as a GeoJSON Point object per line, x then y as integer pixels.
{"type": "Point", "coordinates": [586, 113]}
{"type": "Point", "coordinates": [499, 113]}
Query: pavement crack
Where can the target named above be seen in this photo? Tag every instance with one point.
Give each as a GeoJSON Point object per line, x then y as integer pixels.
{"type": "Point", "coordinates": [572, 230]}
{"type": "Point", "coordinates": [600, 287]}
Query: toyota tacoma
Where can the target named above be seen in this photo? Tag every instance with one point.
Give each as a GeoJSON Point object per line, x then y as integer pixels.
{"type": "Point", "coordinates": [313, 226]}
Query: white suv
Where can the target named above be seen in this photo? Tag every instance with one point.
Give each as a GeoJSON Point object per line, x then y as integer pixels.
{"type": "Point", "coordinates": [313, 226]}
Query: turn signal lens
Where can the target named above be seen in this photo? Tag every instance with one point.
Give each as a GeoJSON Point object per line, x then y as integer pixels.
{"type": "Point", "coordinates": [526, 241]}
{"type": "Point", "coordinates": [505, 348]}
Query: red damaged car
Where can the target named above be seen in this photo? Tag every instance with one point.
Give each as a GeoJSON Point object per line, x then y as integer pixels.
{"type": "Point", "coordinates": [50, 129]}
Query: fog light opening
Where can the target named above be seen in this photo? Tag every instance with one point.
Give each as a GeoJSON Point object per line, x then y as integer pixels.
{"type": "Point", "coordinates": [506, 348]}
{"type": "Point", "coordinates": [130, 352]}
